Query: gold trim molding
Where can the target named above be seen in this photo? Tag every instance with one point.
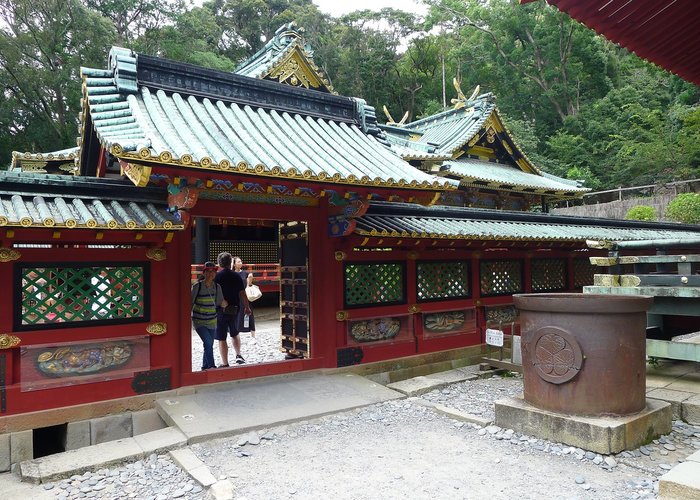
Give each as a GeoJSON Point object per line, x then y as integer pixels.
{"type": "Point", "coordinates": [414, 308]}
{"type": "Point", "coordinates": [342, 315]}
{"type": "Point", "coordinates": [340, 256]}
{"type": "Point", "coordinates": [159, 328]}
{"type": "Point", "coordinates": [157, 254]}
{"type": "Point", "coordinates": [9, 254]}
{"type": "Point", "coordinates": [8, 341]}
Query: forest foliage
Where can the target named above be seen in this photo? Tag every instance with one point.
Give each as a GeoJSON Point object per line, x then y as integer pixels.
{"type": "Point", "coordinates": [578, 105]}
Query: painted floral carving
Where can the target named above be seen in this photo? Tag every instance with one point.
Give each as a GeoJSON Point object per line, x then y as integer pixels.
{"type": "Point", "coordinates": [444, 321]}
{"type": "Point", "coordinates": [83, 359]}
{"type": "Point", "coordinates": [375, 329]}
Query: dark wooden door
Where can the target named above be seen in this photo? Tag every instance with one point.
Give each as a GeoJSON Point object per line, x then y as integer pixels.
{"type": "Point", "coordinates": [294, 289]}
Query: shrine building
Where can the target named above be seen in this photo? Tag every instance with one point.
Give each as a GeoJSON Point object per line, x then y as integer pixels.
{"type": "Point", "coordinates": [389, 240]}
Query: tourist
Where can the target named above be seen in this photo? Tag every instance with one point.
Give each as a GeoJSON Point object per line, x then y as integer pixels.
{"type": "Point", "coordinates": [206, 297]}
{"type": "Point", "coordinates": [248, 280]}
{"type": "Point", "coordinates": [233, 288]}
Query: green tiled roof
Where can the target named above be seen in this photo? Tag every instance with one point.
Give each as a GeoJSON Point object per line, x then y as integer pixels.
{"type": "Point", "coordinates": [39, 162]}
{"type": "Point", "coordinates": [51, 201]}
{"type": "Point", "coordinates": [188, 129]}
{"type": "Point", "coordinates": [402, 220]}
{"type": "Point", "coordinates": [449, 131]}
{"type": "Point", "coordinates": [471, 171]}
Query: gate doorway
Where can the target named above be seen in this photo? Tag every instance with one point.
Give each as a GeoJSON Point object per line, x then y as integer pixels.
{"type": "Point", "coordinates": [276, 254]}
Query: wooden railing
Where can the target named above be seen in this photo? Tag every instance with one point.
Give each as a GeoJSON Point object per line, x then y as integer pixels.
{"type": "Point", "coordinates": [266, 276]}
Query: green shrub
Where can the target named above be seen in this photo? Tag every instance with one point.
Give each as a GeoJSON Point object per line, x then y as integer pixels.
{"type": "Point", "coordinates": [685, 208]}
{"type": "Point", "coordinates": [641, 212]}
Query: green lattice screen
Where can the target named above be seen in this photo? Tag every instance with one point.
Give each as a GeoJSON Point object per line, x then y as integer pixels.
{"type": "Point", "coordinates": [548, 274]}
{"type": "Point", "coordinates": [442, 280]}
{"type": "Point", "coordinates": [583, 273]}
{"type": "Point", "coordinates": [500, 277]}
{"type": "Point", "coordinates": [374, 284]}
{"type": "Point", "coordinates": [52, 295]}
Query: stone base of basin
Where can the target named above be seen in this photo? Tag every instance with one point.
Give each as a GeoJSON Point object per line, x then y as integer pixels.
{"type": "Point", "coordinates": [601, 434]}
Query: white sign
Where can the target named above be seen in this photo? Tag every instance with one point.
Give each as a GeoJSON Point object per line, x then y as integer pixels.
{"type": "Point", "coordinates": [517, 356]}
{"type": "Point", "coordinates": [494, 337]}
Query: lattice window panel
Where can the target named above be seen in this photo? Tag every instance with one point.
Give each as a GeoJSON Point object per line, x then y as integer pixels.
{"type": "Point", "coordinates": [374, 284]}
{"type": "Point", "coordinates": [583, 273]}
{"type": "Point", "coordinates": [548, 274]}
{"type": "Point", "coordinates": [52, 295]}
{"type": "Point", "coordinates": [442, 280]}
{"type": "Point", "coordinates": [501, 277]}
{"type": "Point", "coordinates": [250, 252]}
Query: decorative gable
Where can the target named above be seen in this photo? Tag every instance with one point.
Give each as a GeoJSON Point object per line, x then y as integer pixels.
{"type": "Point", "coordinates": [287, 58]}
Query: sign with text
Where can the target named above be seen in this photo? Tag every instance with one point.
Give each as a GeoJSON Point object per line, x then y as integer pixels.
{"type": "Point", "coordinates": [494, 337]}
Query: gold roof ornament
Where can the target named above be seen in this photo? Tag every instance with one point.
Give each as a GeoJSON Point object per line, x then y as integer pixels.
{"type": "Point", "coordinates": [390, 119]}
{"type": "Point", "coordinates": [462, 100]}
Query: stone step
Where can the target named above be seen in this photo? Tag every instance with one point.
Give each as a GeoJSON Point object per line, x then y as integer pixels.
{"type": "Point", "coordinates": [683, 481]}
{"type": "Point", "coordinates": [62, 465]}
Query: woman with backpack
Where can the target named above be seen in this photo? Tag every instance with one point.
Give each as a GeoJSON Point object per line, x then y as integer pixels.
{"type": "Point", "coordinates": [206, 297]}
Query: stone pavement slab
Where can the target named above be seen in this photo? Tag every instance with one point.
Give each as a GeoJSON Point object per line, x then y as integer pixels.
{"type": "Point", "coordinates": [232, 408]}
{"type": "Point", "coordinates": [690, 410]}
{"type": "Point", "coordinates": [675, 398]}
{"type": "Point", "coordinates": [681, 483]}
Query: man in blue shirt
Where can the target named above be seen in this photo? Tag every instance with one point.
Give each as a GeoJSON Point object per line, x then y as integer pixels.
{"type": "Point", "coordinates": [227, 319]}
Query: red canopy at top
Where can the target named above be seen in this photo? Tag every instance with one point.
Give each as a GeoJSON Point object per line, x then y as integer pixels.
{"type": "Point", "coordinates": [661, 31]}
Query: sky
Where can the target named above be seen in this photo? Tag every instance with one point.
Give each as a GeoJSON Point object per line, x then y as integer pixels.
{"type": "Point", "coordinates": [339, 7]}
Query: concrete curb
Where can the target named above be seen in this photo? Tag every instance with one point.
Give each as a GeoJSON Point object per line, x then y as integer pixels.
{"type": "Point", "coordinates": [462, 416]}
{"type": "Point", "coordinates": [426, 383]}
{"type": "Point", "coordinates": [62, 465]}
{"type": "Point", "coordinates": [197, 469]}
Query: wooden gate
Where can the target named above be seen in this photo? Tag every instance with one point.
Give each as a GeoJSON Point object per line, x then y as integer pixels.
{"type": "Point", "coordinates": [294, 289]}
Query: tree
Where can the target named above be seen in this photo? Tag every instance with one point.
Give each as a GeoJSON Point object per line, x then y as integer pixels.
{"type": "Point", "coordinates": [43, 43]}
{"type": "Point", "coordinates": [246, 25]}
{"type": "Point", "coordinates": [193, 39]}
{"type": "Point", "coordinates": [133, 18]}
{"type": "Point", "coordinates": [532, 50]}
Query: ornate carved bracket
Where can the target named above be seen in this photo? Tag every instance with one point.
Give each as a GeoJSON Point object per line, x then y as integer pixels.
{"type": "Point", "coordinates": [157, 328]}
{"type": "Point", "coordinates": [8, 255]}
{"type": "Point", "coordinates": [8, 341]}
{"type": "Point", "coordinates": [156, 254]}
{"type": "Point", "coordinates": [340, 222]}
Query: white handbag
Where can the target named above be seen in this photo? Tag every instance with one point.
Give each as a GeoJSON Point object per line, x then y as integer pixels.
{"type": "Point", "coordinates": [253, 293]}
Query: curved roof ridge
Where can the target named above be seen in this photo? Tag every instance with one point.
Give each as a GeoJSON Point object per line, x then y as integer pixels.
{"type": "Point", "coordinates": [481, 101]}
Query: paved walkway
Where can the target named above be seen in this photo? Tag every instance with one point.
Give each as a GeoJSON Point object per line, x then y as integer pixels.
{"type": "Point", "coordinates": [235, 407]}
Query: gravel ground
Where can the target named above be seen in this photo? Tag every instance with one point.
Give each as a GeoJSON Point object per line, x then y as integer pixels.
{"type": "Point", "coordinates": [395, 450]}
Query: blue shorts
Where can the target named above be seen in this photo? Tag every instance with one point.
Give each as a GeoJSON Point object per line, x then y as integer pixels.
{"type": "Point", "coordinates": [224, 324]}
